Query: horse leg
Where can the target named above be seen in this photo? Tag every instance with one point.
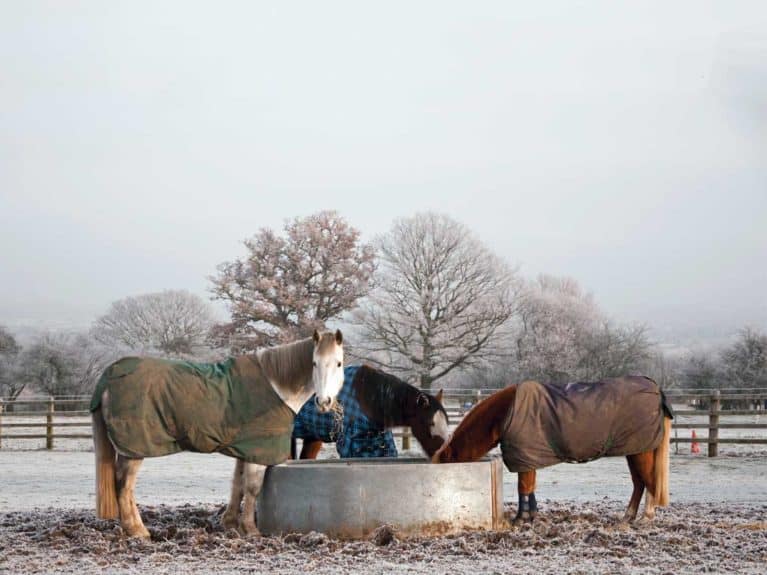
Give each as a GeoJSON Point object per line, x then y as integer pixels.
{"type": "Point", "coordinates": [231, 516]}
{"type": "Point", "coordinates": [645, 468]}
{"type": "Point", "coordinates": [528, 506]}
{"type": "Point", "coordinates": [636, 495]}
{"type": "Point", "coordinates": [130, 518]}
{"type": "Point", "coordinates": [252, 479]}
{"type": "Point", "coordinates": [311, 448]}
{"type": "Point", "coordinates": [653, 467]}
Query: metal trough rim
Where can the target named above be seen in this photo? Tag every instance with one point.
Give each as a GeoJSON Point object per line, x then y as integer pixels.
{"type": "Point", "coordinates": [377, 461]}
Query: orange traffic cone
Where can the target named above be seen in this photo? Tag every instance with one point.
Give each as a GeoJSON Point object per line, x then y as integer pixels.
{"type": "Point", "coordinates": [694, 446]}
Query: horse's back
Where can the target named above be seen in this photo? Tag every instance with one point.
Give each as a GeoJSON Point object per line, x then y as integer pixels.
{"type": "Point", "coordinates": [158, 407]}
{"type": "Point", "coordinates": [152, 404]}
{"type": "Point", "coordinates": [579, 422]}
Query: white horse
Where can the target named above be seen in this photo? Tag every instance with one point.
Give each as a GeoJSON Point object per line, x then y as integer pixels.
{"type": "Point", "coordinates": [243, 407]}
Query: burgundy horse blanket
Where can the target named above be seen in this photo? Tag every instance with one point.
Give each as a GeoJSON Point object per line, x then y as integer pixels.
{"type": "Point", "coordinates": [158, 407]}
{"type": "Point", "coordinates": [580, 422]}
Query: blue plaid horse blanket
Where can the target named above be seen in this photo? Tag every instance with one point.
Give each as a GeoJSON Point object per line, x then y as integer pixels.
{"type": "Point", "coordinates": [355, 435]}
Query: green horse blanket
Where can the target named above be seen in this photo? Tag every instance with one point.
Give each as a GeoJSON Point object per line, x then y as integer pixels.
{"type": "Point", "coordinates": [580, 422]}
{"type": "Point", "coordinates": [158, 407]}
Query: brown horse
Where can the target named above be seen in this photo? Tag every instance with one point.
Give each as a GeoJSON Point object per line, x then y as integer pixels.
{"type": "Point", "coordinates": [539, 425]}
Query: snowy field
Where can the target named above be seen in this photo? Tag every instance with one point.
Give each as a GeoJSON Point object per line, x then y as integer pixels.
{"type": "Point", "coordinates": [39, 479]}
{"type": "Point", "coordinates": [717, 521]}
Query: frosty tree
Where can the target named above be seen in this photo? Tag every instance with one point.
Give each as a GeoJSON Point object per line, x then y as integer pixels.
{"type": "Point", "coordinates": [290, 284]}
{"type": "Point", "coordinates": [701, 370]}
{"type": "Point", "coordinates": [62, 364]}
{"type": "Point", "coordinates": [11, 385]}
{"type": "Point", "coordinates": [745, 361]}
{"type": "Point", "coordinates": [173, 323]}
{"type": "Point", "coordinates": [441, 298]}
{"type": "Point", "coordinates": [554, 319]}
{"type": "Point", "coordinates": [561, 335]}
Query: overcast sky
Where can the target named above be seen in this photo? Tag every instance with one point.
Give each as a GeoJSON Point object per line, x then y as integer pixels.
{"type": "Point", "coordinates": [623, 144]}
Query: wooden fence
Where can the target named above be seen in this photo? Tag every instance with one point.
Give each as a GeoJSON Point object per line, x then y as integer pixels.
{"type": "Point", "coordinates": [45, 414]}
{"type": "Point", "coordinates": [59, 418]}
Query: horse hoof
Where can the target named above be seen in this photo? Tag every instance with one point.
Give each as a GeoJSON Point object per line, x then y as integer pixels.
{"type": "Point", "coordinates": [229, 522]}
{"type": "Point", "coordinates": [627, 518]}
{"type": "Point", "coordinates": [138, 533]}
{"type": "Point", "coordinates": [525, 517]}
{"type": "Point", "coordinates": [644, 520]}
{"type": "Point", "coordinates": [249, 530]}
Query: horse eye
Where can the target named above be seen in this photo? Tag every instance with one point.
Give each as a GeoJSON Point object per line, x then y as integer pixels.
{"type": "Point", "coordinates": [339, 364]}
{"type": "Point", "coordinates": [314, 363]}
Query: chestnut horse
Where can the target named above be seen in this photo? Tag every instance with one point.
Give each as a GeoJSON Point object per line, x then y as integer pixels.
{"type": "Point", "coordinates": [623, 416]}
{"type": "Point", "coordinates": [373, 402]}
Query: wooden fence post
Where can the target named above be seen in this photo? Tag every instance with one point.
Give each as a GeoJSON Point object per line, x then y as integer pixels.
{"type": "Point", "coordinates": [49, 424]}
{"type": "Point", "coordinates": [405, 438]}
{"type": "Point", "coordinates": [713, 424]}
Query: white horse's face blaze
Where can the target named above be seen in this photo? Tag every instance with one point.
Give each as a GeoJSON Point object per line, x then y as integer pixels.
{"type": "Point", "coordinates": [328, 369]}
{"type": "Point", "coordinates": [430, 424]}
{"type": "Point", "coordinates": [439, 427]}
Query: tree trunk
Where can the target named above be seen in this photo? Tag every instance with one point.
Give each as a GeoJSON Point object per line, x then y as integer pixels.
{"type": "Point", "coordinates": [13, 395]}
{"type": "Point", "coordinates": [425, 381]}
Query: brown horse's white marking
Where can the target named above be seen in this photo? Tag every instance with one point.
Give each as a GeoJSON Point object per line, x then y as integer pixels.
{"type": "Point", "coordinates": [485, 426]}
{"type": "Point", "coordinates": [295, 372]}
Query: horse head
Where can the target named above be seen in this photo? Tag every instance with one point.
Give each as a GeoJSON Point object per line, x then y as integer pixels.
{"type": "Point", "coordinates": [428, 420]}
{"type": "Point", "coordinates": [391, 402]}
{"type": "Point", "coordinates": [327, 368]}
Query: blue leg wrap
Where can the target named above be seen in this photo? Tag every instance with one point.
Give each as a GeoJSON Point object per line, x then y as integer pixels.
{"type": "Point", "coordinates": [527, 508]}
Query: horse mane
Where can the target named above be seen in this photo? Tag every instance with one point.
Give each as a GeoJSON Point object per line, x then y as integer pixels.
{"type": "Point", "coordinates": [480, 429]}
{"type": "Point", "coordinates": [289, 362]}
{"type": "Point", "coordinates": [385, 398]}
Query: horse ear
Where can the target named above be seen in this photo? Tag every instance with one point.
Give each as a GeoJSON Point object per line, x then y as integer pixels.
{"type": "Point", "coordinates": [339, 337]}
{"type": "Point", "coordinates": [438, 397]}
{"type": "Point", "coordinates": [316, 337]}
{"type": "Point", "coordinates": [422, 401]}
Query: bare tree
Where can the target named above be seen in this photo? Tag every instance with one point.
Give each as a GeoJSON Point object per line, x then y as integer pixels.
{"type": "Point", "coordinates": [440, 301]}
{"type": "Point", "coordinates": [663, 367]}
{"type": "Point", "coordinates": [555, 316]}
{"type": "Point", "coordinates": [289, 285]}
{"type": "Point", "coordinates": [11, 384]}
{"type": "Point", "coordinates": [91, 359]}
{"type": "Point", "coordinates": [701, 371]}
{"type": "Point", "coordinates": [173, 323]}
{"type": "Point", "coordinates": [62, 364]}
{"type": "Point", "coordinates": [562, 335]}
{"type": "Point", "coordinates": [610, 351]}
{"type": "Point", "coordinates": [745, 361]}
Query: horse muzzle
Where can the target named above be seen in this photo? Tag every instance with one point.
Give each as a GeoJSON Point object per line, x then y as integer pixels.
{"type": "Point", "coordinates": [324, 404]}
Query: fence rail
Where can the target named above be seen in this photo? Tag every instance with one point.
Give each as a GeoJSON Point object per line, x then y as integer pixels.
{"type": "Point", "coordinates": [44, 413]}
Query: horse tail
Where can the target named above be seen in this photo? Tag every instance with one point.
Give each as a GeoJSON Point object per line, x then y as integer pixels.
{"type": "Point", "coordinates": [662, 465]}
{"type": "Point", "coordinates": [106, 491]}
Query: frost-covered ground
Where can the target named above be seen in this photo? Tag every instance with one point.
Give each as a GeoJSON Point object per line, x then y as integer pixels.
{"type": "Point", "coordinates": [717, 523]}
{"type": "Point", "coordinates": [686, 538]}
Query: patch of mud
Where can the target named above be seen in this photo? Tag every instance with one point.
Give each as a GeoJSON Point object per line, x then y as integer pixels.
{"type": "Point", "coordinates": [566, 537]}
